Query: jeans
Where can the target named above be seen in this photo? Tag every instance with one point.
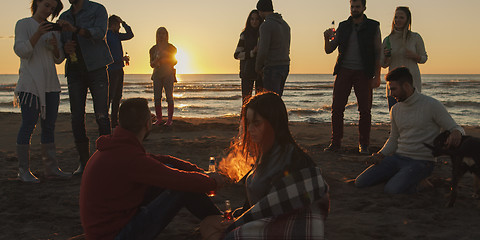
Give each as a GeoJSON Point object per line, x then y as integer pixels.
{"type": "Point", "coordinates": [342, 87]}
{"type": "Point", "coordinates": [274, 78]}
{"type": "Point", "coordinates": [79, 82]}
{"type": "Point", "coordinates": [158, 86]}
{"type": "Point", "coordinates": [154, 217]}
{"type": "Point", "coordinates": [115, 93]}
{"type": "Point", "coordinates": [247, 87]}
{"type": "Point", "coordinates": [401, 173]}
{"type": "Point", "coordinates": [31, 110]}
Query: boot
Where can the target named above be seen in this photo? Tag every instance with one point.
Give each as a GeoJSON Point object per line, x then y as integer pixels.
{"type": "Point", "coordinates": [83, 149]}
{"type": "Point", "coordinates": [158, 111]}
{"type": "Point", "coordinates": [24, 174]}
{"type": "Point", "coordinates": [50, 163]}
{"type": "Point", "coordinates": [170, 115]}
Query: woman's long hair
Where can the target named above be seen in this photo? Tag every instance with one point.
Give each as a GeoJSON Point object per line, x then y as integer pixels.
{"type": "Point", "coordinates": [269, 106]}
{"type": "Point", "coordinates": [156, 34]}
{"type": "Point", "coordinates": [408, 28]}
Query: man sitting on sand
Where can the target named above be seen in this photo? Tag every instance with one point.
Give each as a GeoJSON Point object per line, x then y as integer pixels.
{"type": "Point", "coordinates": [404, 160]}
{"type": "Point", "coordinates": [116, 194]}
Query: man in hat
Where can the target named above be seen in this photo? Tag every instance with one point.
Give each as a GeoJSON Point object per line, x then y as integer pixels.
{"type": "Point", "coordinates": [273, 60]}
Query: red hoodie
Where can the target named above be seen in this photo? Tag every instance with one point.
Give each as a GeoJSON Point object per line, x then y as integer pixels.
{"type": "Point", "coordinates": [117, 176]}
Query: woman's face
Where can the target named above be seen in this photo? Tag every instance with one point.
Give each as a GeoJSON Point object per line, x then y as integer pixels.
{"type": "Point", "coordinates": [256, 126]}
{"type": "Point", "coordinates": [255, 20]}
{"type": "Point", "coordinates": [400, 19]}
{"type": "Point", "coordinates": [45, 8]}
{"type": "Point", "coordinates": [161, 34]}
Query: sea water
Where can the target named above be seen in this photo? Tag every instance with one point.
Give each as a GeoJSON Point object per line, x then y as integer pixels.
{"type": "Point", "coordinates": [308, 97]}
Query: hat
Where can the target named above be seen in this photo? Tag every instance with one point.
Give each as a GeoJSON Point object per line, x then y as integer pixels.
{"type": "Point", "coordinates": [265, 5]}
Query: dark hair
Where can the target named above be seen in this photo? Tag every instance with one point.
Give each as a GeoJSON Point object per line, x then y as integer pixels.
{"type": "Point", "coordinates": [133, 114]}
{"type": "Point", "coordinates": [55, 13]}
{"type": "Point", "coordinates": [269, 106]}
{"type": "Point", "coordinates": [401, 75]}
{"type": "Point", "coordinates": [364, 2]}
{"type": "Point", "coordinates": [248, 26]}
{"type": "Point", "coordinates": [113, 19]}
{"type": "Point", "coordinates": [156, 33]}
{"type": "Point", "coordinates": [408, 29]}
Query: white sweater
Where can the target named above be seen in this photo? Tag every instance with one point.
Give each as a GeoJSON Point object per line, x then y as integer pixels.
{"type": "Point", "coordinates": [398, 59]}
{"type": "Point", "coordinates": [417, 120]}
{"type": "Point", "coordinates": [37, 73]}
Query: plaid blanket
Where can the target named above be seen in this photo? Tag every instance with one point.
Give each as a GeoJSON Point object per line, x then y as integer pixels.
{"type": "Point", "coordinates": [290, 210]}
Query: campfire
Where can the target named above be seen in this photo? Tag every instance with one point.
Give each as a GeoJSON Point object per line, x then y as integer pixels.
{"type": "Point", "coordinates": [235, 166]}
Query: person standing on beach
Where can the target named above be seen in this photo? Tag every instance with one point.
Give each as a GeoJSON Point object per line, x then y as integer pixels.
{"type": "Point", "coordinates": [403, 48]}
{"type": "Point", "coordinates": [38, 88]}
{"type": "Point", "coordinates": [84, 32]}
{"type": "Point", "coordinates": [162, 60]}
{"type": "Point", "coordinates": [144, 192]}
{"type": "Point", "coordinates": [273, 61]}
{"type": "Point", "coordinates": [115, 70]}
{"type": "Point", "coordinates": [358, 64]}
{"type": "Point", "coordinates": [416, 119]}
{"type": "Point", "coordinates": [246, 52]}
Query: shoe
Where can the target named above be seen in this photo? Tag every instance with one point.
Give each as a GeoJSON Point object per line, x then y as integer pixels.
{"type": "Point", "coordinates": [332, 148]}
{"type": "Point", "coordinates": [363, 149]}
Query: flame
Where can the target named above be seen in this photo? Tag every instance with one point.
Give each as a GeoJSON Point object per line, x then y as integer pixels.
{"type": "Point", "coordinates": [235, 166]}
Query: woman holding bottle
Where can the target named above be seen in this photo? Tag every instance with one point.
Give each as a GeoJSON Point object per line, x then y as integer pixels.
{"type": "Point", "coordinates": [162, 60]}
{"type": "Point", "coordinates": [403, 48]}
{"type": "Point", "coordinates": [38, 88]}
{"type": "Point", "coordinates": [246, 52]}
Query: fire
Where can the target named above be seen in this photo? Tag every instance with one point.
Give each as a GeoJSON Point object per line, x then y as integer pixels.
{"type": "Point", "coordinates": [235, 166]}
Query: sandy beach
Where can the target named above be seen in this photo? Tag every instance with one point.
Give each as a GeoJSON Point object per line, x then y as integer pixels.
{"type": "Point", "coordinates": [49, 210]}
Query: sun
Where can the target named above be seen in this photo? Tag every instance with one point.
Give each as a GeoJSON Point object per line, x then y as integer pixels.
{"type": "Point", "coordinates": [183, 64]}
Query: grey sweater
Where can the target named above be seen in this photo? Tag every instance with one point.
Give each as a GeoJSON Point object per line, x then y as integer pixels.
{"type": "Point", "coordinates": [417, 120]}
{"type": "Point", "coordinates": [273, 43]}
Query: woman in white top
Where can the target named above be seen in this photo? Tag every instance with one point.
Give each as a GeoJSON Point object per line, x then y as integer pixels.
{"type": "Point", "coordinates": [38, 87]}
{"type": "Point", "coordinates": [403, 48]}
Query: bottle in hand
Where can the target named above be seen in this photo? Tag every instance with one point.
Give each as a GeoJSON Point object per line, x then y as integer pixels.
{"type": "Point", "coordinates": [127, 59]}
{"type": "Point", "coordinates": [227, 215]}
{"type": "Point", "coordinates": [211, 169]}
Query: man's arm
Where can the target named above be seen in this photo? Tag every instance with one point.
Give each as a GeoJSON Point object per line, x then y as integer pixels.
{"type": "Point", "coordinates": [263, 46]}
{"type": "Point", "coordinates": [446, 122]}
{"type": "Point", "coordinates": [378, 51]}
{"type": "Point", "coordinates": [99, 29]}
{"type": "Point", "coordinates": [128, 32]}
{"type": "Point", "coordinates": [330, 45]}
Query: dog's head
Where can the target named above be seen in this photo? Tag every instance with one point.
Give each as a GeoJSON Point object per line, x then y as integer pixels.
{"type": "Point", "coordinates": [438, 147]}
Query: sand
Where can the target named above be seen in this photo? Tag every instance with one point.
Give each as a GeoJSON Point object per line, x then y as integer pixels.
{"type": "Point", "coordinates": [49, 210]}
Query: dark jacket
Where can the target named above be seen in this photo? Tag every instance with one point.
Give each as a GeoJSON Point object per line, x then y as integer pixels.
{"type": "Point", "coordinates": [366, 38]}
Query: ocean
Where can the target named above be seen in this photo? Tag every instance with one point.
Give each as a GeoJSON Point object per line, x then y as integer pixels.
{"type": "Point", "coordinates": [308, 97]}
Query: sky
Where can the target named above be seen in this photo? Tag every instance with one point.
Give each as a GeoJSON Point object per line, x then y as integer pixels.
{"type": "Point", "coordinates": [206, 32]}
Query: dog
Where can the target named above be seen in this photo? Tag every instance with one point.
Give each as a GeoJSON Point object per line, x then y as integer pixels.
{"type": "Point", "coordinates": [469, 148]}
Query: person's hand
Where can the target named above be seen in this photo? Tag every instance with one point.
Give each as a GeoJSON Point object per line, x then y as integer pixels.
{"type": "Point", "coordinates": [43, 28]}
{"type": "Point", "coordinates": [53, 42]}
{"type": "Point", "coordinates": [69, 47]}
{"type": "Point", "coordinates": [375, 158]}
{"type": "Point", "coordinates": [454, 139]}
{"type": "Point", "coordinates": [213, 227]}
{"type": "Point", "coordinates": [412, 55]}
{"type": "Point", "coordinates": [328, 34]}
{"type": "Point", "coordinates": [220, 179]}
{"type": "Point", "coordinates": [66, 26]}
{"type": "Point", "coordinates": [375, 82]}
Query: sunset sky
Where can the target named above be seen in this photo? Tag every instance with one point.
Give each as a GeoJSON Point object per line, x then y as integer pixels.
{"type": "Point", "coordinates": [206, 32]}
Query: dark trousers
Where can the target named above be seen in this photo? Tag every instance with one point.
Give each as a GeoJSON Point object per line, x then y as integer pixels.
{"type": "Point", "coordinates": [152, 218]}
{"type": "Point", "coordinates": [115, 81]}
{"type": "Point", "coordinates": [345, 80]}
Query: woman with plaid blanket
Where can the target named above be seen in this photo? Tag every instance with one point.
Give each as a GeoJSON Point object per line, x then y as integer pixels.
{"type": "Point", "coordinates": [287, 197]}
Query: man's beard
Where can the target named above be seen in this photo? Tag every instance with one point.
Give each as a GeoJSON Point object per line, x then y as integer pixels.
{"type": "Point", "coordinates": [357, 15]}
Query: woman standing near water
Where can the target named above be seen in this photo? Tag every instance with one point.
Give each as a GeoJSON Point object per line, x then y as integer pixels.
{"type": "Point", "coordinates": [403, 48]}
{"type": "Point", "coordinates": [246, 52]}
{"type": "Point", "coordinates": [162, 60]}
{"type": "Point", "coordinates": [38, 88]}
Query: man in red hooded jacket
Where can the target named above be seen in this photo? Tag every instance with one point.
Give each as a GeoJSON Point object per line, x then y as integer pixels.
{"type": "Point", "coordinates": [120, 174]}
